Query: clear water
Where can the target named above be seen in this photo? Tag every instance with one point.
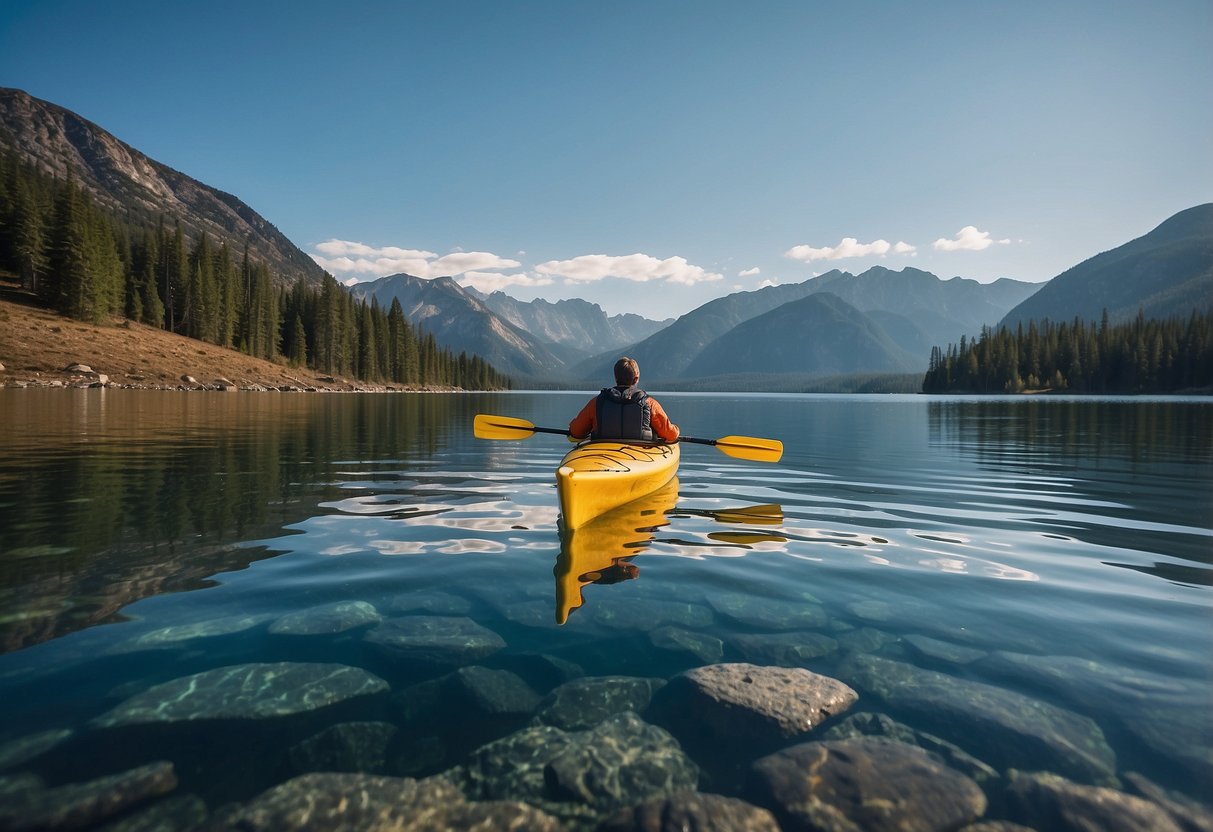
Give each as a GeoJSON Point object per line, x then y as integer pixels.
{"type": "Point", "coordinates": [1044, 527]}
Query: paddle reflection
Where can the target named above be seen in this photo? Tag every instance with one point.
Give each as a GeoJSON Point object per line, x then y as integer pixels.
{"type": "Point", "coordinates": [601, 551]}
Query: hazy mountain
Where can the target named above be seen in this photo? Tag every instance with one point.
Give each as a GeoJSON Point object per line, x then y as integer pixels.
{"type": "Point", "coordinates": [917, 310]}
{"type": "Point", "coordinates": [1166, 273]}
{"type": "Point", "coordinates": [461, 321]}
{"type": "Point", "coordinates": [817, 335]}
{"type": "Point", "coordinates": [139, 188]}
{"type": "Point", "coordinates": [573, 324]}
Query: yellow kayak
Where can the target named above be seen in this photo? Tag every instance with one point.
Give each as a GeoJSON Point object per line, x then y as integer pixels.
{"type": "Point", "coordinates": [595, 477]}
{"type": "Point", "coordinates": [602, 549]}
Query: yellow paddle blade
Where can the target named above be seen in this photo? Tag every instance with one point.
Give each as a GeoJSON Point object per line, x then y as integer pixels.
{"type": "Point", "coordinates": [746, 538]}
{"type": "Point", "coordinates": [769, 514]}
{"type": "Point", "coordinates": [501, 427]}
{"type": "Point", "coordinates": [751, 447]}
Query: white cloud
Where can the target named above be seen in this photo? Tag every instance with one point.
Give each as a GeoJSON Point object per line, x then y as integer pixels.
{"type": "Point", "coordinates": [848, 247]}
{"type": "Point", "coordinates": [346, 257]}
{"type": "Point", "coordinates": [749, 272]}
{"type": "Point", "coordinates": [640, 268]}
{"type": "Point", "coordinates": [968, 239]}
{"type": "Point", "coordinates": [489, 282]}
{"type": "Point", "coordinates": [768, 282]}
{"type": "Point", "coordinates": [905, 248]}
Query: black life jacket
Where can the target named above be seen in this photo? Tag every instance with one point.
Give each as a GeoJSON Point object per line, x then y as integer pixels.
{"type": "Point", "coordinates": [623, 413]}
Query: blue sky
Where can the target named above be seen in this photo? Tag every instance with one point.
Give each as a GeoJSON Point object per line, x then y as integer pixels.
{"type": "Point", "coordinates": [655, 154]}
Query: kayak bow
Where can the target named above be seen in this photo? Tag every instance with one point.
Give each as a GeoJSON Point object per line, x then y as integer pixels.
{"type": "Point", "coordinates": [597, 476]}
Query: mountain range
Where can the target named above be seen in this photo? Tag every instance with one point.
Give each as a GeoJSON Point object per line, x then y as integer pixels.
{"type": "Point", "coordinates": [879, 321]}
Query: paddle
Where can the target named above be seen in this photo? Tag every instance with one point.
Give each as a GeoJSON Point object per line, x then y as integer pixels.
{"type": "Point", "coordinates": [743, 447]}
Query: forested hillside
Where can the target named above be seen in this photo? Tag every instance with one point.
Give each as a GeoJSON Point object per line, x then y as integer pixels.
{"type": "Point", "coordinates": [1143, 356]}
{"type": "Point", "coordinates": [89, 264]}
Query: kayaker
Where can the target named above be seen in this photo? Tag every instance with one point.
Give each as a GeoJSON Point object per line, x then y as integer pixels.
{"type": "Point", "coordinates": [624, 411]}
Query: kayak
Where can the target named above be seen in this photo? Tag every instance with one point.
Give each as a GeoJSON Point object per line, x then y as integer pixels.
{"type": "Point", "coordinates": [597, 476]}
{"type": "Point", "coordinates": [601, 550]}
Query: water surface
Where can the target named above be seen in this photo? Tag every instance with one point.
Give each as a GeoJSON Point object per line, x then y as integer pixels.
{"type": "Point", "coordinates": [1057, 548]}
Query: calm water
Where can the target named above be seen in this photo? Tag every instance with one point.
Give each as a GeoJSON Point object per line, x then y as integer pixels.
{"type": "Point", "coordinates": [1056, 548]}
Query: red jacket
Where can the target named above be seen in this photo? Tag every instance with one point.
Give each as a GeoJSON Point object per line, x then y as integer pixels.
{"type": "Point", "coordinates": [583, 423]}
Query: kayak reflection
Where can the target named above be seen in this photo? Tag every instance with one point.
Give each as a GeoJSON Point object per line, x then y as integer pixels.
{"type": "Point", "coordinates": [601, 551]}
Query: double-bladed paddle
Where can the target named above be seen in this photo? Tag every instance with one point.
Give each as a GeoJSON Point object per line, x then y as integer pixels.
{"type": "Point", "coordinates": [742, 447]}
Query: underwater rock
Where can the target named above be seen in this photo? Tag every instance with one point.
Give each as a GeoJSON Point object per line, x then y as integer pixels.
{"type": "Point", "coordinates": [1048, 801]}
{"type": "Point", "coordinates": [583, 703]}
{"type": "Point", "coordinates": [579, 776]}
{"type": "Point", "coordinates": [768, 613]}
{"type": "Point", "coordinates": [246, 691]}
{"type": "Point", "coordinates": [81, 805]}
{"type": "Point", "coordinates": [469, 693]}
{"type": "Point", "coordinates": [1190, 815]}
{"type": "Point", "coordinates": [433, 602]}
{"type": "Point", "coordinates": [995, 826]}
{"type": "Point", "coordinates": [1180, 733]}
{"type": "Point", "coordinates": [179, 812]}
{"type": "Point", "coordinates": [345, 747]}
{"type": "Point", "coordinates": [691, 811]}
{"type": "Point", "coordinates": [750, 704]}
{"type": "Point", "coordinates": [705, 648]}
{"type": "Point", "coordinates": [172, 636]}
{"type": "Point", "coordinates": [422, 754]}
{"type": "Point", "coordinates": [868, 783]}
{"type": "Point", "coordinates": [783, 649]}
{"type": "Point", "coordinates": [1081, 679]}
{"type": "Point", "coordinates": [437, 639]}
{"type": "Point", "coordinates": [331, 802]}
{"type": "Point", "coordinates": [1005, 728]}
{"type": "Point", "coordinates": [879, 725]}
{"type": "Point", "coordinates": [871, 610]}
{"type": "Point", "coordinates": [541, 670]}
{"type": "Point", "coordinates": [23, 749]}
{"type": "Point", "coordinates": [864, 639]}
{"type": "Point", "coordinates": [327, 619]}
{"type": "Point", "coordinates": [644, 614]}
{"type": "Point", "coordinates": [943, 651]}
{"type": "Point", "coordinates": [540, 614]}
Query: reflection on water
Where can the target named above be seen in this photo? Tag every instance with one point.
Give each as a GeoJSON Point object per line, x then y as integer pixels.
{"type": "Point", "coordinates": [1025, 579]}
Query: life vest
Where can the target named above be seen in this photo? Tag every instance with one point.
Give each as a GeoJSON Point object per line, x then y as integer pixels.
{"type": "Point", "coordinates": [623, 413]}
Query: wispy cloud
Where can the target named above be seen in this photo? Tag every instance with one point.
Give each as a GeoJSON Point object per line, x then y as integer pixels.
{"type": "Point", "coordinates": [489, 282]}
{"type": "Point", "coordinates": [848, 247]}
{"type": "Point", "coordinates": [905, 248]}
{"type": "Point", "coordinates": [968, 239]}
{"type": "Point", "coordinates": [640, 268]}
{"type": "Point", "coordinates": [768, 282]}
{"type": "Point", "coordinates": [749, 272]}
{"type": "Point", "coordinates": [351, 258]}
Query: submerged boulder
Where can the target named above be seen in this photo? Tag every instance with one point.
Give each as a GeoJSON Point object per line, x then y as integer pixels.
{"type": "Point", "coordinates": [1005, 728]}
{"type": "Point", "coordinates": [1048, 801]}
{"type": "Point", "coordinates": [879, 725]}
{"type": "Point", "coordinates": [691, 811]}
{"type": "Point", "coordinates": [451, 640]}
{"type": "Point", "coordinates": [702, 647]}
{"type": "Point", "coordinates": [643, 614]}
{"type": "Point", "coordinates": [784, 649]}
{"type": "Point", "coordinates": [579, 776]}
{"type": "Point", "coordinates": [330, 802]}
{"type": "Point", "coordinates": [583, 703]}
{"type": "Point", "coordinates": [866, 783]}
{"type": "Point", "coordinates": [23, 749]}
{"type": "Point", "coordinates": [82, 805]}
{"type": "Point", "coordinates": [327, 619]}
{"type": "Point", "coordinates": [246, 691]}
{"type": "Point", "coordinates": [177, 633]}
{"type": "Point", "coordinates": [749, 704]}
{"type": "Point", "coordinates": [347, 746]}
{"type": "Point", "coordinates": [768, 613]}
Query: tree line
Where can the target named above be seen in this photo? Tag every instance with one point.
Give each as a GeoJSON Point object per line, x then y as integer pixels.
{"type": "Point", "coordinates": [89, 264]}
{"type": "Point", "coordinates": [1140, 356]}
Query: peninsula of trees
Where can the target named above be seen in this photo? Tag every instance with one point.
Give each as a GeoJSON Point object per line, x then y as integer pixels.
{"type": "Point", "coordinates": [90, 264]}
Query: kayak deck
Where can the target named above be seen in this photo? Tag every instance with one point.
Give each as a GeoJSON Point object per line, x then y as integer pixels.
{"type": "Point", "coordinates": [597, 476]}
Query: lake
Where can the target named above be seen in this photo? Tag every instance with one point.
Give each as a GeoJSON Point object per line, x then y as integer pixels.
{"type": "Point", "coordinates": [257, 586]}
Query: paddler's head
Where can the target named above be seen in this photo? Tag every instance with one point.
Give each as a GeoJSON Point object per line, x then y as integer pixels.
{"type": "Point", "coordinates": [627, 372]}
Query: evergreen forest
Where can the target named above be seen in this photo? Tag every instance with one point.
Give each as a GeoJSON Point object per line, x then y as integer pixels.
{"type": "Point", "coordinates": [1141, 356]}
{"type": "Point", "coordinates": [90, 264]}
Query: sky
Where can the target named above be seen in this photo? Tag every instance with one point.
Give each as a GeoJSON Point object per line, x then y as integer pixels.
{"type": "Point", "coordinates": [651, 156]}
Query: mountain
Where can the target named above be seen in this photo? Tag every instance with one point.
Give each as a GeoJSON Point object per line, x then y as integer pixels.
{"type": "Point", "coordinates": [817, 335]}
{"type": "Point", "coordinates": [139, 188]}
{"type": "Point", "coordinates": [916, 309]}
{"type": "Point", "coordinates": [573, 324]}
{"type": "Point", "coordinates": [1166, 273]}
{"type": "Point", "coordinates": [460, 321]}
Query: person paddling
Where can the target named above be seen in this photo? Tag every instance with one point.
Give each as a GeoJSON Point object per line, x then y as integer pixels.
{"type": "Point", "coordinates": [624, 411]}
